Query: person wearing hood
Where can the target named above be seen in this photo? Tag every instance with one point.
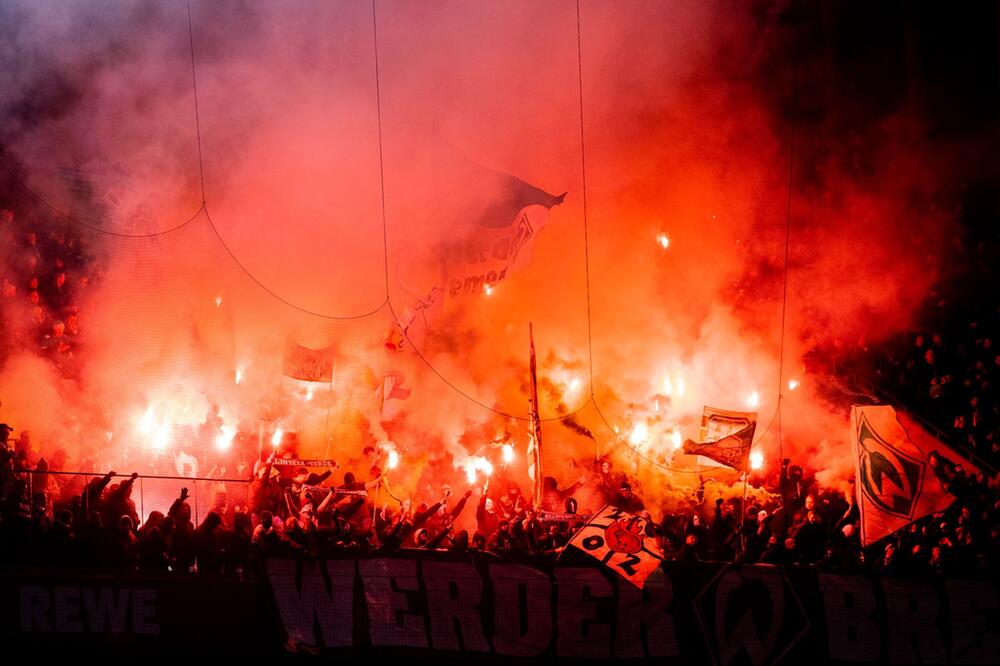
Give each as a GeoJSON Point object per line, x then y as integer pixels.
{"type": "Point", "coordinates": [265, 491]}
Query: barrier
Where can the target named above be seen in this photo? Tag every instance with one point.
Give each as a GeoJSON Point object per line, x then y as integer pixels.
{"type": "Point", "coordinates": [438, 604]}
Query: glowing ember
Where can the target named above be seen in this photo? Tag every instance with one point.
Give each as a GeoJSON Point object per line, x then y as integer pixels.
{"type": "Point", "coordinates": [224, 440]}
{"type": "Point", "coordinates": [675, 438]}
{"type": "Point", "coordinates": [239, 375]}
{"type": "Point", "coordinates": [756, 460]}
{"type": "Point", "coordinates": [218, 301]}
{"type": "Point", "coordinates": [309, 393]}
{"type": "Point", "coordinates": [640, 433]}
{"type": "Point", "coordinates": [753, 400]}
{"type": "Point", "coordinates": [508, 453]}
{"type": "Point", "coordinates": [793, 384]}
{"type": "Point", "coordinates": [574, 384]}
{"type": "Point", "coordinates": [393, 460]}
{"type": "Point", "coordinates": [488, 289]}
{"type": "Point", "coordinates": [663, 240]}
{"type": "Point", "coordinates": [276, 437]}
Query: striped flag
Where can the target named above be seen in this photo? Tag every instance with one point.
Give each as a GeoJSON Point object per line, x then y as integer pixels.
{"type": "Point", "coordinates": [619, 540]}
{"type": "Point", "coordinates": [535, 440]}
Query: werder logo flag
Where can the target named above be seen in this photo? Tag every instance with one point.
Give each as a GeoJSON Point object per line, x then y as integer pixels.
{"type": "Point", "coordinates": [733, 451]}
{"type": "Point", "coordinates": [618, 539]}
{"type": "Point", "coordinates": [308, 365]}
{"type": "Point", "coordinates": [894, 479]}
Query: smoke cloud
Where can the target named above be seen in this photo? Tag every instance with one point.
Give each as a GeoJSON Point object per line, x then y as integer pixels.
{"type": "Point", "coordinates": [679, 269]}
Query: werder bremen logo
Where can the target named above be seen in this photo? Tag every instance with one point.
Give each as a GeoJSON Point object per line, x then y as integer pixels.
{"type": "Point", "coordinates": [890, 479]}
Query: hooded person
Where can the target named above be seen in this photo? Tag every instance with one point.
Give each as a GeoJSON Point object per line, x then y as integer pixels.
{"type": "Point", "coordinates": [264, 491]}
{"type": "Point", "coordinates": [553, 496]}
{"type": "Point", "coordinates": [487, 518]}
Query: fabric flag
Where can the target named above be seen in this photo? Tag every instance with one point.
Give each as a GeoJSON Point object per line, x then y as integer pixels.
{"type": "Point", "coordinates": [308, 365]}
{"type": "Point", "coordinates": [391, 393]}
{"type": "Point", "coordinates": [535, 437]}
{"type": "Point", "coordinates": [487, 255]}
{"type": "Point", "coordinates": [718, 423]}
{"type": "Point", "coordinates": [618, 539]}
{"type": "Point", "coordinates": [897, 466]}
{"type": "Point", "coordinates": [732, 451]}
{"type": "Point", "coordinates": [480, 228]}
{"type": "Point", "coordinates": [502, 215]}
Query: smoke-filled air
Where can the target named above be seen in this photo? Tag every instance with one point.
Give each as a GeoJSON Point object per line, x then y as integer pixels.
{"type": "Point", "coordinates": [302, 227]}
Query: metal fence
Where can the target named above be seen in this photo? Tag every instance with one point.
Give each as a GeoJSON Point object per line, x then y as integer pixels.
{"type": "Point", "coordinates": [154, 492]}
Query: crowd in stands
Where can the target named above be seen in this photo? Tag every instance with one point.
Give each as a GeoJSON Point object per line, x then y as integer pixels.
{"type": "Point", "coordinates": [44, 270]}
{"type": "Point", "coordinates": [944, 375]}
{"type": "Point", "coordinates": [944, 370]}
{"type": "Point", "coordinates": [92, 522]}
{"type": "Point", "coordinates": [948, 379]}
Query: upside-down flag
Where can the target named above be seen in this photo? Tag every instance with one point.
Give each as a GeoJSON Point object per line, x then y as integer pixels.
{"type": "Point", "coordinates": [898, 471]}
{"type": "Point", "coordinates": [619, 540]}
{"type": "Point", "coordinates": [733, 450]}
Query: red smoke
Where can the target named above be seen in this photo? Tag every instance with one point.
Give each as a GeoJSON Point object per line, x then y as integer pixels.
{"type": "Point", "coordinates": [687, 126]}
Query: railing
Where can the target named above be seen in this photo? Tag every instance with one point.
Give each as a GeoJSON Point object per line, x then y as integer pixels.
{"type": "Point", "coordinates": [164, 490]}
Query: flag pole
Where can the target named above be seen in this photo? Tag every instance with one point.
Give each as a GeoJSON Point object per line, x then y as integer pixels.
{"type": "Point", "coordinates": [535, 459]}
{"type": "Point", "coordinates": [743, 509]}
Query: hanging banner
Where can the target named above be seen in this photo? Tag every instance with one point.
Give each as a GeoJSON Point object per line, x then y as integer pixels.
{"type": "Point", "coordinates": [308, 365]}
{"type": "Point", "coordinates": [438, 605]}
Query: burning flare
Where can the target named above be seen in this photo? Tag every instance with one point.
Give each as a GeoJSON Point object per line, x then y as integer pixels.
{"type": "Point", "coordinates": [224, 440]}
{"type": "Point", "coordinates": [476, 464]}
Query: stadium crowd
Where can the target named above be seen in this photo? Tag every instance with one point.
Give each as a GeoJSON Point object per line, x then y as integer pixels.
{"type": "Point", "coordinates": [49, 519]}
{"type": "Point", "coordinates": [43, 275]}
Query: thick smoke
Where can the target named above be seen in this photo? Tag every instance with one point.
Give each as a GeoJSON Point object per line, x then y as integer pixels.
{"type": "Point", "coordinates": [686, 123]}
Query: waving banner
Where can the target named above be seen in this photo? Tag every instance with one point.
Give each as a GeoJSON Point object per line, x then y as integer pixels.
{"type": "Point", "coordinates": [898, 471]}
{"type": "Point", "coordinates": [732, 451]}
{"type": "Point", "coordinates": [618, 539]}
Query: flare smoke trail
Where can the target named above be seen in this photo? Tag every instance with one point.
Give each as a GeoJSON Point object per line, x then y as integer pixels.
{"type": "Point", "coordinates": [687, 133]}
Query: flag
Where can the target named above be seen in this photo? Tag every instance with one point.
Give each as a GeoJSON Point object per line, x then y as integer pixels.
{"type": "Point", "coordinates": [486, 255]}
{"type": "Point", "coordinates": [718, 423]}
{"type": "Point", "coordinates": [618, 539]}
{"type": "Point", "coordinates": [309, 365]}
{"type": "Point", "coordinates": [732, 450]}
{"type": "Point", "coordinates": [897, 466]}
{"type": "Point", "coordinates": [535, 437]}
{"type": "Point", "coordinates": [391, 393]}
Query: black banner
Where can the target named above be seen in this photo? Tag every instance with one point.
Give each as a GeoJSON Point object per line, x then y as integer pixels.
{"type": "Point", "coordinates": [428, 603]}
